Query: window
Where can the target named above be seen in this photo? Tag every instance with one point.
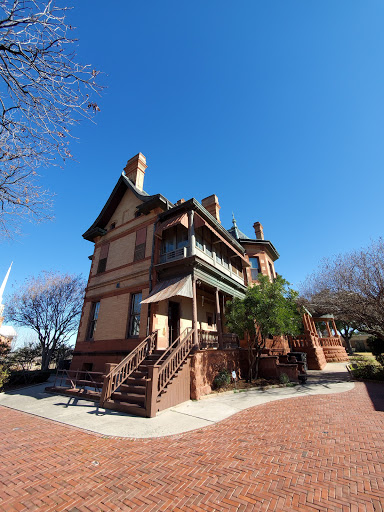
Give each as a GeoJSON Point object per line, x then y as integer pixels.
{"type": "Point", "coordinates": [134, 317]}
{"type": "Point", "coordinates": [93, 320]}
{"type": "Point", "coordinates": [271, 270]}
{"type": "Point", "coordinates": [208, 243]}
{"type": "Point", "coordinates": [225, 260]}
{"type": "Point", "coordinates": [199, 242]}
{"type": "Point", "coordinates": [141, 236]}
{"type": "Point", "coordinates": [218, 254]}
{"type": "Point", "coordinates": [112, 226]}
{"type": "Point", "coordinates": [255, 267]}
{"type": "Point", "coordinates": [181, 237]}
{"type": "Point", "coordinates": [103, 258]}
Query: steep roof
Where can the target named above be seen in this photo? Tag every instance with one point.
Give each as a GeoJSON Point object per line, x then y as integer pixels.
{"type": "Point", "coordinates": [242, 239]}
{"type": "Point", "coordinates": [235, 231]}
{"type": "Point", "coordinates": [113, 201]}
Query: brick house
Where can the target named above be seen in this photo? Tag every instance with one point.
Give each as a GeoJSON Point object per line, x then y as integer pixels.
{"type": "Point", "coordinates": [152, 328]}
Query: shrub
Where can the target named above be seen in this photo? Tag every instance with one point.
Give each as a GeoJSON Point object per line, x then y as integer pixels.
{"type": "Point", "coordinates": [4, 374]}
{"type": "Point", "coordinates": [377, 347]}
{"type": "Point", "coordinates": [367, 371]}
{"type": "Point", "coordinates": [222, 379]}
{"type": "Point", "coordinates": [27, 378]}
{"type": "Point", "coordinates": [284, 379]}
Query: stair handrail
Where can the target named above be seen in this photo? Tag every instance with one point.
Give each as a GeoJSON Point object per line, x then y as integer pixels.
{"type": "Point", "coordinates": [120, 373]}
{"type": "Point", "coordinates": [161, 374]}
{"type": "Point", "coordinates": [172, 346]}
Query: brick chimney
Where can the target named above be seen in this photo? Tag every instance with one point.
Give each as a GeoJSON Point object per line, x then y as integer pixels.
{"type": "Point", "coordinates": [211, 203]}
{"type": "Point", "coordinates": [258, 231]}
{"type": "Point", "coordinates": [135, 170]}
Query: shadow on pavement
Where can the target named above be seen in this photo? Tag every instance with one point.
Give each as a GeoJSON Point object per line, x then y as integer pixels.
{"type": "Point", "coordinates": [376, 394]}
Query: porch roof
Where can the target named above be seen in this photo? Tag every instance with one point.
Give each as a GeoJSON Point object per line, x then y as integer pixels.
{"type": "Point", "coordinates": [180, 286]}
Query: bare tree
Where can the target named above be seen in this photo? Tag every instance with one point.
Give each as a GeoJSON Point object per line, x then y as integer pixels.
{"type": "Point", "coordinates": [50, 305]}
{"type": "Point", "coordinates": [43, 94]}
{"type": "Point", "coordinates": [351, 286]}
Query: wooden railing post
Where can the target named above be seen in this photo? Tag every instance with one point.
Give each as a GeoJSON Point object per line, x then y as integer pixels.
{"type": "Point", "coordinates": [151, 391]}
{"type": "Point", "coordinates": [108, 368]}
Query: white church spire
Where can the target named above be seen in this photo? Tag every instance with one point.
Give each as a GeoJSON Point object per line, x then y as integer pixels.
{"type": "Point", "coordinates": [3, 288]}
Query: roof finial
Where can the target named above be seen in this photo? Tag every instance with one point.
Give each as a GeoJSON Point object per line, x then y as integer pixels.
{"type": "Point", "coordinates": [234, 220]}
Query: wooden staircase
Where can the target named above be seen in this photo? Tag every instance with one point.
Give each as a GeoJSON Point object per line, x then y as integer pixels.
{"type": "Point", "coordinates": [130, 396]}
{"type": "Point", "coordinates": [136, 385]}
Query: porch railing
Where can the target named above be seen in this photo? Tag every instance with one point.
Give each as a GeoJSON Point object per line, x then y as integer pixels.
{"type": "Point", "coordinates": [331, 342]}
{"type": "Point", "coordinates": [174, 255]}
{"type": "Point", "coordinates": [119, 374]}
{"type": "Point", "coordinates": [160, 375]}
{"type": "Point", "coordinates": [210, 340]}
{"type": "Point", "coordinates": [298, 342]}
{"type": "Point", "coordinates": [230, 340]}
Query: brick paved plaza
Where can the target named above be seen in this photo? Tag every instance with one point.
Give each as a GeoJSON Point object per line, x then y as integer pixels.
{"type": "Point", "coordinates": [315, 453]}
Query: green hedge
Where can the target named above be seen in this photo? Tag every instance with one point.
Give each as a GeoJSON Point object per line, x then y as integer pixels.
{"type": "Point", "coordinates": [19, 377]}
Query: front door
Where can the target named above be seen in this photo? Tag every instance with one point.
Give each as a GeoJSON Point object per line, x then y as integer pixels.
{"type": "Point", "coordinates": [173, 321]}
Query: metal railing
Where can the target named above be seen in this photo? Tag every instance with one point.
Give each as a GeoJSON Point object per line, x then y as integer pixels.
{"type": "Point", "coordinates": [119, 374]}
{"type": "Point", "coordinates": [74, 379]}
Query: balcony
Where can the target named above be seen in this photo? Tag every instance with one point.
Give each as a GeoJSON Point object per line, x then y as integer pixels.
{"type": "Point", "coordinates": [177, 254]}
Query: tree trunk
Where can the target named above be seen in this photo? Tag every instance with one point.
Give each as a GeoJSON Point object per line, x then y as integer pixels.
{"type": "Point", "coordinates": [257, 360]}
{"type": "Point", "coordinates": [45, 359]}
{"type": "Point", "coordinates": [348, 344]}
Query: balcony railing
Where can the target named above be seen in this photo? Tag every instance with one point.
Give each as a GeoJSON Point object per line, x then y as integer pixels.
{"type": "Point", "coordinates": [177, 254]}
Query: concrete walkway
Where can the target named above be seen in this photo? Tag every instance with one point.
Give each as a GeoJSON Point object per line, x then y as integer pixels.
{"type": "Point", "coordinates": [187, 416]}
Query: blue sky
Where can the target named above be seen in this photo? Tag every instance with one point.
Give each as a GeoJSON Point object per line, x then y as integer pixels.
{"type": "Point", "coordinates": [275, 107]}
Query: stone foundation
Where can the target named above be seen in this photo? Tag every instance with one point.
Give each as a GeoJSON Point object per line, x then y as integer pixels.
{"type": "Point", "coordinates": [206, 364]}
{"type": "Point", "coordinates": [335, 354]}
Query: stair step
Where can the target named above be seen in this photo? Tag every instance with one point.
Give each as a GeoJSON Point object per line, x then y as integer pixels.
{"type": "Point", "coordinates": [147, 363]}
{"type": "Point", "coordinates": [132, 381]}
{"type": "Point", "coordinates": [132, 388]}
{"type": "Point", "coordinates": [132, 398]}
{"type": "Point", "coordinates": [133, 409]}
{"type": "Point", "coordinates": [139, 374]}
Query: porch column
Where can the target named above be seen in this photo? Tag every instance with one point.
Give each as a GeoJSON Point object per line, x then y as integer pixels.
{"type": "Point", "coordinates": [328, 329]}
{"type": "Point", "coordinates": [191, 233]}
{"type": "Point", "coordinates": [218, 320]}
{"type": "Point", "coordinates": [334, 327]}
{"type": "Point", "coordinates": [194, 313]}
